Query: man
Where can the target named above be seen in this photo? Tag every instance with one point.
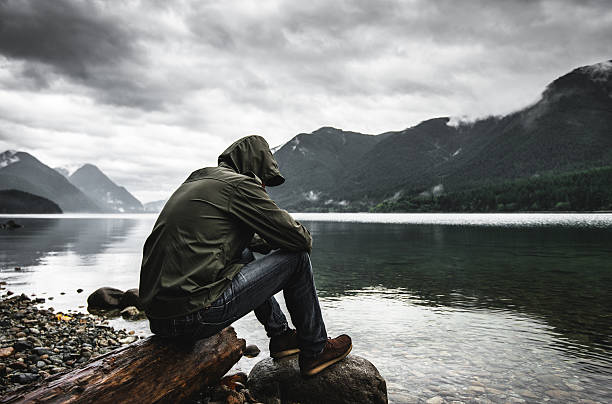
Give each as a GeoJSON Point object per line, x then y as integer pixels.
{"type": "Point", "coordinates": [198, 276]}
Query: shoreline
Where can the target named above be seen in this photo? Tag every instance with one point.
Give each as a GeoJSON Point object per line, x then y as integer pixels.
{"type": "Point", "coordinates": [36, 343]}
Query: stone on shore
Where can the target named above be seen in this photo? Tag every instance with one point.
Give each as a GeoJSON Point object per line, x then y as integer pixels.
{"type": "Point", "coordinates": [36, 343]}
{"type": "Point", "coordinates": [130, 298]}
{"type": "Point", "coordinates": [352, 380]}
{"type": "Point", "coordinates": [110, 302]}
{"type": "Point", "coordinates": [105, 299]}
{"type": "Point", "coordinates": [251, 351]}
{"type": "Point", "coordinates": [132, 313]}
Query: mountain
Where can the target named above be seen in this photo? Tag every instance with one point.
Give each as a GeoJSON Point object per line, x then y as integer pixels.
{"type": "Point", "coordinates": [13, 201]}
{"type": "Point", "coordinates": [101, 189]}
{"type": "Point", "coordinates": [67, 170]}
{"type": "Point", "coordinates": [155, 206]}
{"type": "Point", "coordinates": [569, 129]}
{"type": "Point", "coordinates": [312, 163]}
{"type": "Point", "coordinates": [22, 171]}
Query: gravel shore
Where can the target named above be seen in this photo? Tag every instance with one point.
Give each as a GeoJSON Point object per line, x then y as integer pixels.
{"type": "Point", "coordinates": [36, 342]}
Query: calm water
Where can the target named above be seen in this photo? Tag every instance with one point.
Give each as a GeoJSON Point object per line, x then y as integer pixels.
{"type": "Point", "coordinates": [506, 308]}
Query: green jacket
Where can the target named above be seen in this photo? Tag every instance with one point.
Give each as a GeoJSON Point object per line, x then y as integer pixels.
{"type": "Point", "coordinates": [193, 251]}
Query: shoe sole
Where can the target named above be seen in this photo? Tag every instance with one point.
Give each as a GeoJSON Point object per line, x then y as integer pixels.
{"type": "Point", "coordinates": [324, 365]}
{"type": "Point", "coordinates": [285, 353]}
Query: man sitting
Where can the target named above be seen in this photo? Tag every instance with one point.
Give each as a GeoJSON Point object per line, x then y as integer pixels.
{"type": "Point", "coordinates": [198, 276]}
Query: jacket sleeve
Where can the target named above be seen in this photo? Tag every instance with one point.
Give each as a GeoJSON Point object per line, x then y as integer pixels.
{"type": "Point", "coordinates": [252, 205]}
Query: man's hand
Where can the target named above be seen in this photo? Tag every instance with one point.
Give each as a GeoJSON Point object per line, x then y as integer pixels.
{"type": "Point", "coordinates": [259, 245]}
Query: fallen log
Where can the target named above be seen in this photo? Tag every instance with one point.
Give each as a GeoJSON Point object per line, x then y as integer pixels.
{"type": "Point", "coordinates": [148, 371]}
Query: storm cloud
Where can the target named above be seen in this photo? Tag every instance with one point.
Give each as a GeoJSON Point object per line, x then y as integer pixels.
{"type": "Point", "coordinates": [151, 90]}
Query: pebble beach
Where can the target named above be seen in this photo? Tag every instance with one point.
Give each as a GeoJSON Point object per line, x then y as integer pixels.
{"type": "Point", "coordinates": [37, 342]}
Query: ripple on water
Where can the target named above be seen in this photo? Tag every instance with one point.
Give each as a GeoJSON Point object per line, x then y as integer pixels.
{"type": "Point", "coordinates": [457, 354]}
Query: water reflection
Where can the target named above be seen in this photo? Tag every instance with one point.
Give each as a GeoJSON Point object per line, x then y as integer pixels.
{"type": "Point", "coordinates": [53, 257]}
{"type": "Point", "coordinates": [467, 313]}
{"type": "Point", "coordinates": [562, 275]}
{"type": "Point", "coordinates": [39, 238]}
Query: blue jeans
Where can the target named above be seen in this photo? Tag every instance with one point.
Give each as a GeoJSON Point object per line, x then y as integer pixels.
{"type": "Point", "coordinates": [253, 288]}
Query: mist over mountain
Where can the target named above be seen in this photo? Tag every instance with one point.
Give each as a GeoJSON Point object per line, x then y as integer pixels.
{"type": "Point", "coordinates": [23, 172]}
{"type": "Point", "coordinates": [569, 129]}
{"type": "Point", "coordinates": [101, 189]}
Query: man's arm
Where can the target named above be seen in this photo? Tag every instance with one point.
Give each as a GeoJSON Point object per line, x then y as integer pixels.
{"type": "Point", "coordinates": [252, 205]}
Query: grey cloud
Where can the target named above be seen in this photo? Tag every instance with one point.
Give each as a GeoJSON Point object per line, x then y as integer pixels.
{"type": "Point", "coordinates": [73, 36]}
{"type": "Point", "coordinates": [313, 44]}
{"type": "Point", "coordinates": [89, 43]}
{"type": "Point", "coordinates": [309, 46]}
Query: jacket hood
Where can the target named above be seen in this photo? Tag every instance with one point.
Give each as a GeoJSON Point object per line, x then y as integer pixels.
{"type": "Point", "coordinates": [252, 154]}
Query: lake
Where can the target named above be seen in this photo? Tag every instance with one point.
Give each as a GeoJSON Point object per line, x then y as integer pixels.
{"type": "Point", "coordinates": [466, 307]}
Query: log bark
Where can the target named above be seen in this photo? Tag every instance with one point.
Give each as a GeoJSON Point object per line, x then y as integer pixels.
{"type": "Point", "coordinates": [148, 371]}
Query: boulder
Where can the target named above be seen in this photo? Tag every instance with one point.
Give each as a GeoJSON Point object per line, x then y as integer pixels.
{"type": "Point", "coordinates": [352, 380]}
{"type": "Point", "coordinates": [130, 298]}
{"type": "Point", "coordinates": [105, 299]}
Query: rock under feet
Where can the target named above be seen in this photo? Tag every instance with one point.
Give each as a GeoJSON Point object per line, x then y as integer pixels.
{"type": "Point", "coordinates": [353, 380]}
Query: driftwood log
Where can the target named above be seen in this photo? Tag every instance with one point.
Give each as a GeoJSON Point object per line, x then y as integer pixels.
{"type": "Point", "coordinates": [148, 371]}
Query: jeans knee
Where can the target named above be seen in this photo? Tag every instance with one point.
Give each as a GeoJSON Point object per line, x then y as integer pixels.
{"type": "Point", "coordinates": [304, 261]}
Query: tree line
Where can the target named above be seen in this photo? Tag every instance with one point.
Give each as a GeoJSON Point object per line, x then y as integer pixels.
{"type": "Point", "coordinates": [587, 190]}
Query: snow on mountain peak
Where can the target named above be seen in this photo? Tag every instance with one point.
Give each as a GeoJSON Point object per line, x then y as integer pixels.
{"type": "Point", "coordinates": [8, 157]}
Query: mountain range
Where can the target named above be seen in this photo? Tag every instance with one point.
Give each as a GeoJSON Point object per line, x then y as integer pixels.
{"type": "Point", "coordinates": [568, 130]}
{"type": "Point", "coordinates": [87, 190]}
{"type": "Point", "coordinates": [552, 155]}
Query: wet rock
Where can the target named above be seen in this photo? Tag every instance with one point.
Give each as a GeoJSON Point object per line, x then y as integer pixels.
{"type": "Point", "coordinates": [4, 352]}
{"type": "Point", "coordinates": [528, 394]}
{"type": "Point", "coordinates": [23, 378]}
{"type": "Point", "coordinates": [18, 365]}
{"type": "Point", "coordinates": [251, 351]}
{"type": "Point", "coordinates": [105, 299]}
{"type": "Point", "coordinates": [225, 394]}
{"type": "Point", "coordinates": [130, 298]}
{"type": "Point", "coordinates": [131, 313]}
{"type": "Point", "coordinates": [10, 225]}
{"type": "Point", "coordinates": [574, 387]}
{"type": "Point", "coordinates": [353, 380]}
{"type": "Point", "coordinates": [22, 346]}
{"type": "Point", "coordinates": [558, 394]}
{"type": "Point", "coordinates": [235, 397]}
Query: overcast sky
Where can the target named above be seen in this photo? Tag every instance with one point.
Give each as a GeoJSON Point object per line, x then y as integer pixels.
{"type": "Point", "coordinates": [151, 90]}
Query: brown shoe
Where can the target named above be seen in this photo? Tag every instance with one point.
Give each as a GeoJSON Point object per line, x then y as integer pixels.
{"type": "Point", "coordinates": [284, 345]}
{"type": "Point", "coordinates": [334, 351]}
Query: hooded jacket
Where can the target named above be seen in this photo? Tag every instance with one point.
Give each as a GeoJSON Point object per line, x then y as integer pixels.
{"type": "Point", "coordinates": [195, 247]}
